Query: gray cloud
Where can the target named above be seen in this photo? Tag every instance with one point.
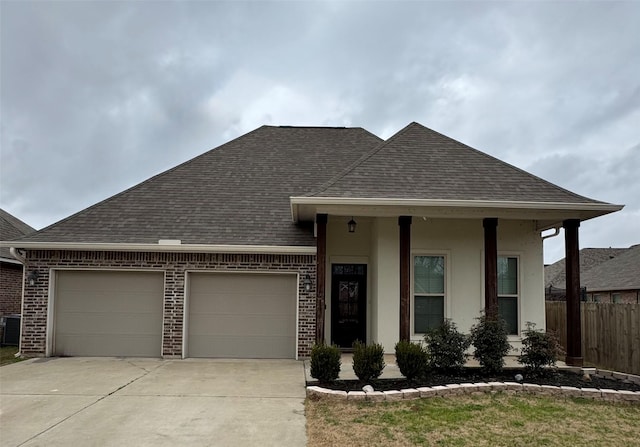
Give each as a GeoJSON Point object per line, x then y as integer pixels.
{"type": "Point", "coordinates": [97, 96]}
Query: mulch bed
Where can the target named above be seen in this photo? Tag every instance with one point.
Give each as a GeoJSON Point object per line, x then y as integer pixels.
{"type": "Point", "coordinates": [474, 375]}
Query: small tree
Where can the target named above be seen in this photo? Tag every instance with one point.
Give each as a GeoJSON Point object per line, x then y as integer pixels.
{"type": "Point", "coordinates": [490, 340]}
{"type": "Point", "coordinates": [368, 360]}
{"type": "Point", "coordinates": [539, 349]}
{"type": "Point", "coordinates": [412, 359]}
{"type": "Point", "coordinates": [325, 362]}
{"type": "Point", "coordinates": [446, 347]}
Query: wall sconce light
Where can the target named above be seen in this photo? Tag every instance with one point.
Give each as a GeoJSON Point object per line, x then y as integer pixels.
{"type": "Point", "coordinates": [32, 277]}
{"type": "Point", "coordinates": [307, 283]}
{"type": "Point", "coordinates": [352, 225]}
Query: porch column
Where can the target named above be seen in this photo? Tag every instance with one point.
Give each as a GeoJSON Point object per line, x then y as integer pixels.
{"type": "Point", "coordinates": [572, 268]}
{"type": "Point", "coordinates": [405, 277]}
{"type": "Point", "coordinates": [321, 262]}
{"type": "Point", "coordinates": [490, 264]}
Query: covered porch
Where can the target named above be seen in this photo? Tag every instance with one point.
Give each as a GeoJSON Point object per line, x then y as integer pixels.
{"type": "Point", "coordinates": [389, 273]}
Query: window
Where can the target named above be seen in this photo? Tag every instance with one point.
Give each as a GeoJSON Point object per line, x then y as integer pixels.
{"type": "Point", "coordinates": [508, 292]}
{"type": "Point", "coordinates": [617, 298]}
{"type": "Point", "coordinates": [428, 292]}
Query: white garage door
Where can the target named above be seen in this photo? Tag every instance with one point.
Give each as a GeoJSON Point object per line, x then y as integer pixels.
{"type": "Point", "coordinates": [100, 313]}
{"type": "Point", "coordinates": [240, 315]}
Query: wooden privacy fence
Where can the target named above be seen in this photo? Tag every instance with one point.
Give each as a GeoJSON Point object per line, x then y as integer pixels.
{"type": "Point", "coordinates": [610, 333]}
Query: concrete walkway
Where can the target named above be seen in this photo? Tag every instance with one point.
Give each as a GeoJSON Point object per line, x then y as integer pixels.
{"type": "Point", "coordinates": [152, 402]}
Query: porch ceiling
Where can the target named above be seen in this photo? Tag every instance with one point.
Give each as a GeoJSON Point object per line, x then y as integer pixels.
{"type": "Point", "coordinates": [546, 214]}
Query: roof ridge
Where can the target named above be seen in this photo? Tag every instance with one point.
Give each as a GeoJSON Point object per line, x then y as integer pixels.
{"type": "Point", "coordinates": [16, 223]}
{"type": "Point", "coordinates": [359, 161]}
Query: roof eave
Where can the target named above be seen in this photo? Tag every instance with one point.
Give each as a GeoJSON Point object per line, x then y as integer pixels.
{"type": "Point", "coordinates": [548, 214]}
{"type": "Point", "coordinates": [173, 248]}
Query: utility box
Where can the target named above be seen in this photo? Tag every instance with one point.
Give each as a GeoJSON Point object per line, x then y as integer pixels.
{"type": "Point", "coordinates": [11, 333]}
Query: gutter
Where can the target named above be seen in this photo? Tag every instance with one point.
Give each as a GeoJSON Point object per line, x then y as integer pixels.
{"type": "Point", "coordinates": [20, 257]}
{"type": "Point", "coordinates": [163, 246]}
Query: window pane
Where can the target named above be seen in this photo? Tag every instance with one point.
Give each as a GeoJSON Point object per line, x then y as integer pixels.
{"type": "Point", "coordinates": [428, 272]}
{"type": "Point", "coordinates": [508, 310]}
{"type": "Point", "coordinates": [507, 276]}
{"type": "Point", "coordinates": [428, 313]}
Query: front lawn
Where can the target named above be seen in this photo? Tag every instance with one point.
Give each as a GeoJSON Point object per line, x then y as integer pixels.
{"type": "Point", "coordinates": [483, 420]}
{"type": "Point", "coordinates": [7, 355]}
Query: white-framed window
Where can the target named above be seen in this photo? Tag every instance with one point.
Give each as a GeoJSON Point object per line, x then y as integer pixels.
{"type": "Point", "coordinates": [429, 292]}
{"type": "Point", "coordinates": [508, 292]}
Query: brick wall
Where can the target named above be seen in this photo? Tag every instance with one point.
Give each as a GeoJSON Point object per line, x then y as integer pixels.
{"type": "Point", "coordinates": [174, 265]}
{"type": "Point", "coordinates": [10, 288]}
{"type": "Point", "coordinates": [624, 296]}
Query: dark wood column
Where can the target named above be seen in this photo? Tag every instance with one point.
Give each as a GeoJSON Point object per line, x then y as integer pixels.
{"type": "Point", "coordinates": [490, 265]}
{"type": "Point", "coordinates": [572, 268]}
{"type": "Point", "coordinates": [321, 262]}
{"type": "Point", "coordinates": [405, 277]}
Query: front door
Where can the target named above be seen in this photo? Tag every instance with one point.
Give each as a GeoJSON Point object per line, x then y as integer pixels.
{"type": "Point", "coordinates": [348, 304]}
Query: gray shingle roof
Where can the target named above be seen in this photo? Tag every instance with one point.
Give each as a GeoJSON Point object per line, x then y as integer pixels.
{"type": "Point", "coordinates": [590, 258]}
{"type": "Point", "coordinates": [619, 273]}
{"type": "Point", "coordinates": [236, 194]}
{"type": "Point", "coordinates": [11, 228]}
{"type": "Point", "coordinates": [419, 163]}
{"type": "Point", "coordinates": [239, 193]}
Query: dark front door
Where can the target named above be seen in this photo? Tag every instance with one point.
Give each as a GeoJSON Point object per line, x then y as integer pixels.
{"type": "Point", "coordinates": [348, 304]}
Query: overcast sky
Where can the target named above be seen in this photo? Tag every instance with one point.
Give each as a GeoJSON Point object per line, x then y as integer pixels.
{"type": "Point", "coordinates": [97, 96]}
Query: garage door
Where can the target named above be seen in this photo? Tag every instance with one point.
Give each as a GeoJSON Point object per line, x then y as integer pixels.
{"type": "Point", "coordinates": [108, 313]}
{"type": "Point", "coordinates": [242, 315]}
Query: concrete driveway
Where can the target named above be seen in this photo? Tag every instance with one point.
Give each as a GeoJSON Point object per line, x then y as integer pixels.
{"type": "Point", "coordinates": [152, 402]}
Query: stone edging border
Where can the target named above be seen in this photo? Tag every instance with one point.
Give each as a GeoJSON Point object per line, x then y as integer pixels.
{"type": "Point", "coordinates": [490, 387]}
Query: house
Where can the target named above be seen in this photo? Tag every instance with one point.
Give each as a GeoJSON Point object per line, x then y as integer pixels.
{"type": "Point", "coordinates": [290, 235]}
{"type": "Point", "coordinates": [608, 275]}
{"type": "Point", "coordinates": [10, 268]}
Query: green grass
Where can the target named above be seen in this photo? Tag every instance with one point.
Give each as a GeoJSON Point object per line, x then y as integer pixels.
{"type": "Point", "coordinates": [483, 420]}
{"type": "Point", "coordinates": [7, 355]}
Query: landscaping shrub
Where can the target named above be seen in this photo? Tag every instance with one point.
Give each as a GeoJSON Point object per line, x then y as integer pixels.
{"type": "Point", "coordinates": [539, 349]}
{"type": "Point", "coordinates": [446, 347]}
{"type": "Point", "coordinates": [368, 360]}
{"type": "Point", "coordinates": [412, 359]}
{"type": "Point", "coordinates": [325, 362]}
{"type": "Point", "coordinates": [490, 341]}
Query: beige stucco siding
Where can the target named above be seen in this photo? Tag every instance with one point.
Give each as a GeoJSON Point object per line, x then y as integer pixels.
{"type": "Point", "coordinates": [376, 242]}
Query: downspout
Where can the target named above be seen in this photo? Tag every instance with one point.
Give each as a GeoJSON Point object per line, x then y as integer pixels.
{"type": "Point", "coordinates": [23, 260]}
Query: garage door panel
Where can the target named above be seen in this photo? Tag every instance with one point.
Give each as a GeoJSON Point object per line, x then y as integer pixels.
{"type": "Point", "coordinates": [250, 325]}
{"type": "Point", "coordinates": [108, 313]}
{"type": "Point", "coordinates": [103, 323]}
{"type": "Point", "coordinates": [254, 347]}
{"type": "Point", "coordinates": [265, 303]}
{"type": "Point", "coordinates": [122, 345]}
{"type": "Point", "coordinates": [242, 315]}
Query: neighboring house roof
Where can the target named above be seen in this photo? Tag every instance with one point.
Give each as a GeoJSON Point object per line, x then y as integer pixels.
{"type": "Point", "coordinates": [247, 192]}
{"type": "Point", "coordinates": [596, 265]}
{"type": "Point", "coordinates": [11, 228]}
{"type": "Point", "coordinates": [619, 273]}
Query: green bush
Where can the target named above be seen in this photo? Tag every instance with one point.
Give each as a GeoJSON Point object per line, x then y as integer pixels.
{"type": "Point", "coordinates": [490, 340]}
{"type": "Point", "coordinates": [446, 347]}
{"type": "Point", "coordinates": [412, 359]}
{"type": "Point", "coordinates": [539, 349]}
{"type": "Point", "coordinates": [368, 360]}
{"type": "Point", "coordinates": [325, 362]}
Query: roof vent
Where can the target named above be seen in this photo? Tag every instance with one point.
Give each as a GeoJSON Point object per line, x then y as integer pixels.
{"type": "Point", "coordinates": [169, 242]}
